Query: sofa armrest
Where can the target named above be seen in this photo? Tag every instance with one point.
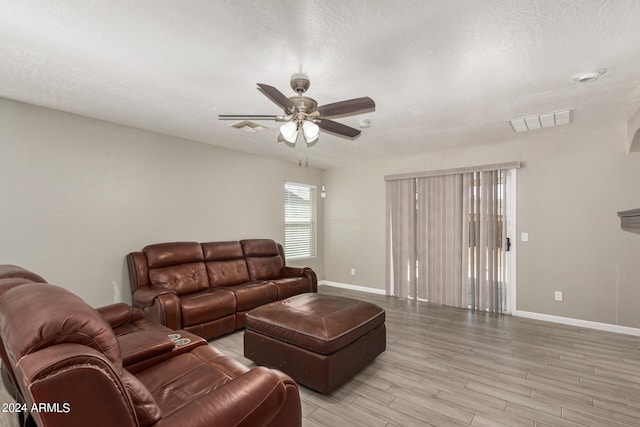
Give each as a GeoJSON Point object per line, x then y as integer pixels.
{"type": "Point", "coordinates": [160, 305]}
{"type": "Point", "coordinates": [59, 375]}
{"type": "Point", "coordinates": [292, 271]}
{"type": "Point", "coordinates": [144, 297]}
{"type": "Point", "coordinates": [138, 346]}
{"type": "Point", "coordinates": [115, 314]}
{"type": "Point", "coordinates": [288, 271]}
{"type": "Point", "coordinates": [260, 397]}
{"type": "Point", "coordinates": [138, 270]}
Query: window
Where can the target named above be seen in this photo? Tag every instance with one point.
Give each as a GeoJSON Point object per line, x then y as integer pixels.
{"type": "Point", "coordinates": [299, 220]}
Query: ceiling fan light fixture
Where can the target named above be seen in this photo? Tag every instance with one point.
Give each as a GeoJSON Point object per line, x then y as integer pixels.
{"type": "Point", "coordinates": [310, 130]}
{"type": "Point", "coordinates": [289, 132]}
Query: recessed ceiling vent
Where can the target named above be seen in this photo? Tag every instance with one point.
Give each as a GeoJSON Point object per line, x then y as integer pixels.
{"type": "Point", "coordinates": [590, 76]}
{"type": "Point", "coordinates": [545, 120]}
{"type": "Point", "coordinates": [248, 126]}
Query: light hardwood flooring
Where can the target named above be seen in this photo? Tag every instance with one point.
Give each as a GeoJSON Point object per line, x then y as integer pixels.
{"type": "Point", "coordinates": [451, 367]}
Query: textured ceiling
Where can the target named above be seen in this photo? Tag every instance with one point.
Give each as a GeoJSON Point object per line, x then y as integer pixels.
{"type": "Point", "coordinates": [443, 73]}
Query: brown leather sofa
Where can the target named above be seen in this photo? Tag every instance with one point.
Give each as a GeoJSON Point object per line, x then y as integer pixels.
{"type": "Point", "coordinates": [69, 368]}
{"type": "Point", "coordinates": [207, 288]}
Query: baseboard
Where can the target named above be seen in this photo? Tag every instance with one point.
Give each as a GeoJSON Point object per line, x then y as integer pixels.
{"type": "Point", "coordinates": [518, 313]}
{"type": "Point", "coordinates": [580, 323]}
{"type": "Point", "coordinates": [352, 287]}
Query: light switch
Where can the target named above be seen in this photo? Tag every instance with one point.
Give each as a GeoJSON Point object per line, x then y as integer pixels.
{"type": "Point", "coordinates": [525, 237]}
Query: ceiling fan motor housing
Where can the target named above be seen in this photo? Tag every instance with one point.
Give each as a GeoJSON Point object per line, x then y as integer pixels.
{"type": "Point", "coordinates": [300, 82]}
{"type": "Point", "coordinates": [305, 104]}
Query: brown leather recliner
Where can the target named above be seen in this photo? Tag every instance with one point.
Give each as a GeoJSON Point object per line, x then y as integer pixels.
{"type": "Point", "coordinates": [138, 337]}
{"type": "Point", "coordinates": [207, 288]}
{"type": "Point", "coordinates": [10, 277]}
{"type": "Point", "coordinates": [67, 362]}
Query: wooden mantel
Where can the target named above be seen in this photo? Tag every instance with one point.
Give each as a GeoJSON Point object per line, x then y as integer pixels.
{"type": "Point", "coordinates": [630, 220]}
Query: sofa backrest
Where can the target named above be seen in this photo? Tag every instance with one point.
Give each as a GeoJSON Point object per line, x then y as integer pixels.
{"type": "Point", "coordinates": [36, 315]}
{"type": "Point", "coordinates": [177, 266]}
{"type": "Point", "coordinates": [17, 272]}
{"type": "Point", "coordinates": [225, 263]}
{"type": "Point", "coordinates": [187, 267]}
{"type": "Point", "coordinates": [264, 258]}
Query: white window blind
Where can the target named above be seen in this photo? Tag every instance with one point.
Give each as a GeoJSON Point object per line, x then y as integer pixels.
{"type": "Point", "coordinates": [299, 220]}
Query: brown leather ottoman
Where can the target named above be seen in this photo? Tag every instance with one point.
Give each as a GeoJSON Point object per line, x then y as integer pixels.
{"type": "Point", "coordinates": [321, 341]}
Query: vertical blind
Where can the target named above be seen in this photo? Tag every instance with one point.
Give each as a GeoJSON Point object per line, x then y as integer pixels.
{"type": "Point", "coordinates": [446, 233]}
{"type": "Point", "coordinates": [299, 220]}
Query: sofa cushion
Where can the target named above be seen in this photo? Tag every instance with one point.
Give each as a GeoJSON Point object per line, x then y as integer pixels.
{"type": "Point", "coordinates": [253, 294]}
{"type": "Point", "coordinates": [225, 263]}
{"type": "Point", "coordinates": [220, 251]}
{"type": "Point", "coordinates": [259, 247]}
{"type": "Point", "coordinates": [264, 268]}
{"type": "Point", "coordinates": [227, 273]}
{"type": "Point", "coordinates": [263, 258]}
{"type": "Point", "coordinates": [184, 378]}
{"type": "Point", "coordinates": [205, 306]}
{"type": "Point", "coordinates": [36, 315]}
{"type": "Point", "coordinates": [166, 254]}
{"type": "Point", "coordinates": [291, 286]}
{"type": "Point", "coordinates": [320, 323]}
{"type": "Point", "coordinates": [182, 279]}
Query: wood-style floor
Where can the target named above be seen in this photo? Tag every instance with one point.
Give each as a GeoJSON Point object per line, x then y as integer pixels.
{"type": "Point", "coordinates": [451, 367]}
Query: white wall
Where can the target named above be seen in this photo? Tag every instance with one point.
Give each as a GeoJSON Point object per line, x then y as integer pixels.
{"type": "Point", "coordinates": [569, 189]}
{"type": "Point", "coordinates": [78, 194]}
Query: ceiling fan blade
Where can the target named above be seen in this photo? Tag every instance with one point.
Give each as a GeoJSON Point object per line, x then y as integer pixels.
{"type": "Point", "coordinates": [349, 107]}
{"type": "Point", "coordinates": [337, 128]}
{"type": "Point", "coordinates": [251, 117]}
{"type": "Point", "coordinates": [278, 97]}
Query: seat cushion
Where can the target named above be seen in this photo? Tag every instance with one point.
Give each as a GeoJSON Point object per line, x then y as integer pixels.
{"type": "Point", "coordinates": [207, 305]}
{"type": "Point", "coordinates": [178, 381]}
{"type": "Point", "coordinates": [253, 294]}
{"type": "Point", "coordinates": [322, 324]}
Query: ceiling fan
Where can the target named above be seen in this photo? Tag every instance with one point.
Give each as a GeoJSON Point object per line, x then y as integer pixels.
{"type": "Point", "coordinates": [303, 113]}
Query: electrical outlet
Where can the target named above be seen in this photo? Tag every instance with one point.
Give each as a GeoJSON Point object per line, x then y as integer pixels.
{"type": "Point", "coordinates": [353, 271]}
{"type": "Point", "coordinates": [558, 295]}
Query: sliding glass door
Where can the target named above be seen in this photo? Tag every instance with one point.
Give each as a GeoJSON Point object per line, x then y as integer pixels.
{"type": "Point", "coordinates": [449, 239]}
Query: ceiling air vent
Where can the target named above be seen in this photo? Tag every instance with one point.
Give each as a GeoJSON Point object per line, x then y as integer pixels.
{"type": "Point", "coordinates": [545, 120]}
{"type": "Point", "coordinates": [248, 126]}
